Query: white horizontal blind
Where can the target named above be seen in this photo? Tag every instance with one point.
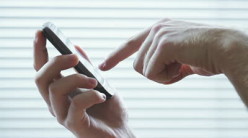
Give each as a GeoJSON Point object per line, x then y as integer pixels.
{"type": "Point", "coordinates": [197, 107]}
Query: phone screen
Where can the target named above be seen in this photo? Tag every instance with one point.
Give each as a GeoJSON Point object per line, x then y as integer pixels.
{"type": "Point", "coordinates": [65, 46]}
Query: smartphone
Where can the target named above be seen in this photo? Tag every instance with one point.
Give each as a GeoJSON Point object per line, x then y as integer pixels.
{"type": "Point", "coordinates": [65, 46]}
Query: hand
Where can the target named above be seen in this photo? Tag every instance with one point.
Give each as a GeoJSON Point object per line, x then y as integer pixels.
{"type": "Point", "coordinates": [171, 50]}
{"type": "Point", "coordinates": [72, 100]}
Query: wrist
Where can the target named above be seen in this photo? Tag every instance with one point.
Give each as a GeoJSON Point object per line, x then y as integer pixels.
{"type": "Point", "coordinates": [125, 132]}
{"type": "Point", "coordinates": [239, 79]}
{"type": "Point", "coordinates": [235, 63]}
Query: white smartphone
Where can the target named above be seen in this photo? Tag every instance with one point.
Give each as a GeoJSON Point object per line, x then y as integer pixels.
{"type": "Point", "coordinates": [65, 46]}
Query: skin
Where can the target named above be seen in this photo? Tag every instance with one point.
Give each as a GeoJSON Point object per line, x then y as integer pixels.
{"type": "Point", "coordinates": [166, 53]}
{"type": "Point", "coordinates": [72, 100]}
{"type": "Point", "coordinates": [171, 50]}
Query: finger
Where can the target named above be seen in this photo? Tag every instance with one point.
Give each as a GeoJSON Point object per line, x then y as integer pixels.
{"type": "Point", "coordinates": [127, 49]}
{"type": "Point", "coordinates": [124, 51]}
{"type": "Point", "coordinates": [40, 51]}
{"type": "Point", "coordinates": [157, 39]}
{"type": "Point", "coordinates": [77, 117]}
{"type": "Point", "coordinates": [162, 66]}
{"type": "Point", "coordinates": [59, 92]}
{"type": "Point", "coordinates": [168, 73]}
{"type": "Point", "coordinates": [82, 52]}
{"type": "Point", "coordinates": [51, 70]}
{"type": "Point", "coordinates": [139, 61]}
{"type": "Point", "coordinates": [167, 29]}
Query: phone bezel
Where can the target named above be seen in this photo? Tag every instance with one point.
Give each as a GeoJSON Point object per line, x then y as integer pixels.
{"type": "Point", "coordinates": [50, 32]}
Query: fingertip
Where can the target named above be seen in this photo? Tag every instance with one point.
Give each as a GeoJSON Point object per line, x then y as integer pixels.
{"type": "Point", "coordinates": [76, 46]}
{"type": "Point", "coordinates": [40, 50]}
{"type": "Point", "coordinates": [82, 52]}
{"type": "Point", "coordinates": [98, 97]}
{"type": "Point", "coordinates": [39, 33]}
{"type": "Point", "coordinates": [73, 58]}
{"type": "Point", "coordinates": [36, 38]}
{"type": "Point", "coordinates": [39, 38]}
{"type": "Point", "coordinates": [93, 82]}
{"type": "Point", "coordinates": [107, 65]}
{"type": "Point", "coordinates": [102, 66]}
{"type": "Point", "coordinates": [103, 96]}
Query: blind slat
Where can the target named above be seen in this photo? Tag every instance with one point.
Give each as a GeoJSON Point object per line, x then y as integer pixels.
{"type": "Point", "coordinates": [196, 107]}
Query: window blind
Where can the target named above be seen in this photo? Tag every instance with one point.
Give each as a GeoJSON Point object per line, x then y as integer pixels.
{"type": "Point", "coordinates": [196, 107]}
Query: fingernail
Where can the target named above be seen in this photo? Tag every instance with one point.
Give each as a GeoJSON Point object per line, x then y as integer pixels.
{"type": "Point", "coordinates": [72, 56]}
{"type": "Point", "coordinates": [92, 81]}
{"type": "Point", "coordinates": [103, 96]}
{"type": "Point", "coordinates": [102, 66]}
{"type": "Point", "coordinates": [36, 37]}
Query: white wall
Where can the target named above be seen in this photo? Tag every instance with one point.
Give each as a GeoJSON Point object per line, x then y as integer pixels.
{"type": "Point", "coordinates": [197, 107]}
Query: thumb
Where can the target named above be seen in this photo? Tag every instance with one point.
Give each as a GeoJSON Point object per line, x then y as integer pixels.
{"type": "Point", "coordinates": [80, 103]}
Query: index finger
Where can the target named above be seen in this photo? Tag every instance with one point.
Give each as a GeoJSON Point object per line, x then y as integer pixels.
{"type": "Point", "coordinates": [125, 50]}
{"type": "Point", "coordinates": [40, 50]}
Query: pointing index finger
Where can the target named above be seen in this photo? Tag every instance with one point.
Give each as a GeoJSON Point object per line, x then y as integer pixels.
{"type": "Point", "coordinates": [125, 50]}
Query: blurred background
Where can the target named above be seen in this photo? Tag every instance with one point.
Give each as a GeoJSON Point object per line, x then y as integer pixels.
{"type": "Point", "coordinates": [196, 107]}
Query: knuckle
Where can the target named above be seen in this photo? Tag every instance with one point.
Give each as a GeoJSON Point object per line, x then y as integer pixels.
{"type": "Point", "coordinates": [51, 110]}
{"type": "Point", "coordinates": [159, 34]}
{"type": "Point", "coordinates": [136, 66]}
{"type": "Point", "coordinates": [96, 95]}
{"type": "Point", "coordinates": [73, 125]}
{"type": "Point", "coordinates": [156, 27]}
{"type": "Point", "coordinates": [60, 120]}
{"type": "Point", "coordinates": [149, 75]}
{"type": "Point", "coordinates": [38, 79]}
{"type": "Point", "coordinates": [164, 20]}
{"type": "Point", "coordinates": [163, 33]}
{"type": "Point", "coordinates": [53, 89]}
{"type": "Point", "coordinates": [164, 43]}
{"type": "Point", "coordinates": [35, 66]}
{"type": "Point", "coordinates": [131, 42]}
{"type": "Point", "coordinates": [69, 124]}
{"type": "Point", "coordinates": [76, 102]}
{"type": "Point", "coordinates": [78, 76]}
{"type": "Point", "coordinates": [57, 59]}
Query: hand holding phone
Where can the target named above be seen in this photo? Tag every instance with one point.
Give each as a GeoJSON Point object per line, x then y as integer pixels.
{"type": "Point", "coordinates": [85, 114]}
{"type": "Point", "coordinates": [65, 46]}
